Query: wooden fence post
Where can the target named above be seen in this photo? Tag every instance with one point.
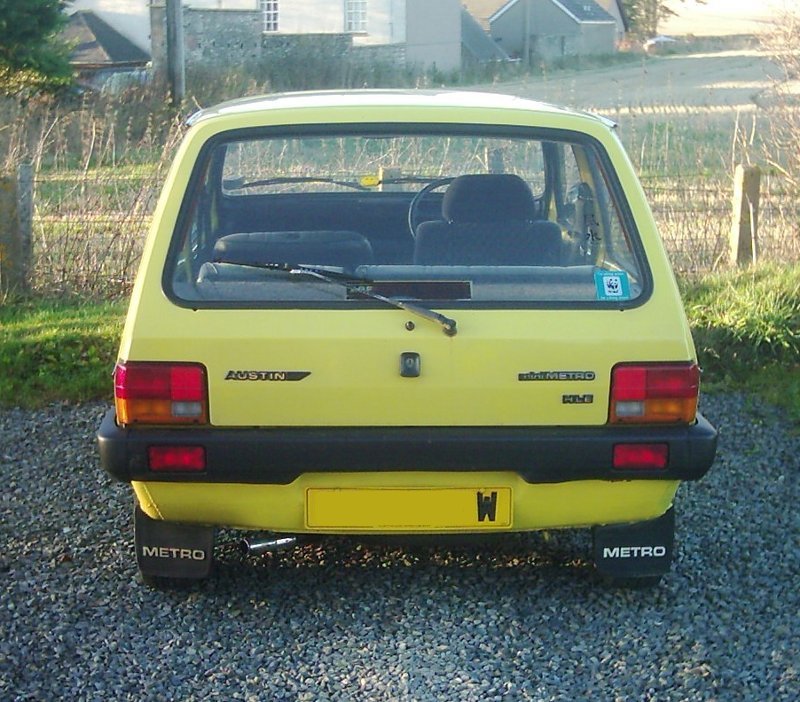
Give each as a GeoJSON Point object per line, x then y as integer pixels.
{"type": "Point", "coordinates": [16, 219]}
{"type": "Point", "coordinates": [744, 230]}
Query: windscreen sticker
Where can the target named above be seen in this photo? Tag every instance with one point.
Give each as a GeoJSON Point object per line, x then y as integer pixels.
{"type": "Point", "coordinates": [612, 285]}
{"type": "Point", "coordinates": [369, 181]}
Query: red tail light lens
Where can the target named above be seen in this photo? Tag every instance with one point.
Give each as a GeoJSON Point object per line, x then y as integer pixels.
{"type": "Point", "coordinates": [640, 456]}
{"type": "Point", "coordinates": [161, 393]}
{"type": "Point", "coordinates": [176, 458]}
{"type": "Point", "coordinates": [654, 393]}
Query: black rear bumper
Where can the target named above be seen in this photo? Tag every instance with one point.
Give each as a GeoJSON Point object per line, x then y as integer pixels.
{"type": "Point", "coordinates": [279, 456]}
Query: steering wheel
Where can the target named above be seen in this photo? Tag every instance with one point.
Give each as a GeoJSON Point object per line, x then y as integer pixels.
{"type": "Point", "coordinates": [413, 206]}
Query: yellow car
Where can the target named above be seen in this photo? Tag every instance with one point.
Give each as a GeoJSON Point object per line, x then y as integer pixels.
{"type": "Point", "coordinates": [404, 312]}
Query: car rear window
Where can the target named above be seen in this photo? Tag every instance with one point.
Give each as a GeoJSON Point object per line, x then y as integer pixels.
{"type": "Point", "coordinates": [448, 215]}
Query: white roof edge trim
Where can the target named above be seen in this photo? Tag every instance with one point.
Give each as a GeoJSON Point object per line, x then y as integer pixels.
{"type": "Point", "coordinates": [502, 10]}
{"type": "Point", "coordinates": [379, 99]}
{"type": "Point", "coordinates": [565, 10]}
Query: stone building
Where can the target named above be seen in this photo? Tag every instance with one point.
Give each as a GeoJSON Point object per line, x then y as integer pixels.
{"type": "Point", "coordinates": [548, 29]}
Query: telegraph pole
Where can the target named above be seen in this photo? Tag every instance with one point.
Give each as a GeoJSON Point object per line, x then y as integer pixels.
{"type": "Point", "coordinates": [176, 71]}
{"type": "Point", "coordinates": [526, 40]}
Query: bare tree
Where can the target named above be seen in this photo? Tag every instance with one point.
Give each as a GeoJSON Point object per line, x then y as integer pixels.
{"type": "Point", "coordinates": [782, 102]}
{"type": "Point", "coordinates": [645, 15]}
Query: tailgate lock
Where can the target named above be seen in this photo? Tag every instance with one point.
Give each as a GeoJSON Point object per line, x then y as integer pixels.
{"type": "Point", "coordinates": [410, 364]}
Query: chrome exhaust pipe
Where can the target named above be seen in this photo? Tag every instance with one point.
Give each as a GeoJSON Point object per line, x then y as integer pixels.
{"type": "Point", "coordinates": [258, 547]}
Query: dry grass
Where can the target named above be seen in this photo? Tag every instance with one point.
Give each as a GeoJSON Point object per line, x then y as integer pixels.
{"type": "Point", "coordinates": [695, 216]}
{"type": "Point", "coordinates": [686, 157]}
{"type": "Point", "coordinates": [89, 230]}
{"type": "Point", "coordinates": [99, 167]}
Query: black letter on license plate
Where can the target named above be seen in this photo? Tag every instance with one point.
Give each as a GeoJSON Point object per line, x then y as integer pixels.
{"type": "Point", "coordinates": [487, 506]}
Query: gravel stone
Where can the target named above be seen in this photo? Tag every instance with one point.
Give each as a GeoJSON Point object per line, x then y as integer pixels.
{"type": "Point", "coordinates": [523, 618]}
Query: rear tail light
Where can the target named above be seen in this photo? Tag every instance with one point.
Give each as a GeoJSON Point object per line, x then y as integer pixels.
{"type": "Point", "coordinates": [160, 393]}
{"type": "Point", "coordinates": [176, 458]}
{"type": "Point", "coordinates": [641, 456]}
{"type": "Point", "coordinates": [654, 393]}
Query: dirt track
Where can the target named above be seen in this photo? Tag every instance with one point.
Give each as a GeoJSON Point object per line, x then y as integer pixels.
{"type": "Point", "coordinates": [728, 80]}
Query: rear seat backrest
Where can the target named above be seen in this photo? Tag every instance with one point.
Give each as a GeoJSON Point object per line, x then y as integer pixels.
{"type": "Point", "coordinates": [344, 249]}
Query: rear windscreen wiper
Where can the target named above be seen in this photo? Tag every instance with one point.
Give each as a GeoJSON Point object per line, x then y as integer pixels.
{"type": "Point", "coordinates": [240, 183]}
{"type": "Point", "coordinates": [412, 179]}
{"type": "Point", "coordinates": [354, 284]}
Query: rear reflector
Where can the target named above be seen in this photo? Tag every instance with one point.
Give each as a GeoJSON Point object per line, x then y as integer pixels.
{"type": "Point", "coordinates": [640, 456]}
{"type": "Point", "coordinates": [654, 393]}
{"type": "Point", "coordinates": [160, 393]}
{"type": "Point", "coordinates": [176, 458]}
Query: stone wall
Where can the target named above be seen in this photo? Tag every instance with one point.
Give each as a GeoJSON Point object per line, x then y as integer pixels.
{"type": "Point", "coordinates": [223, 37]}
{"type": "Point", "coordinates": [310, 47]}
{"type": "Point", "coordinates": [309, 60]}
{"type": "Point", "coordinates": [391, 54]}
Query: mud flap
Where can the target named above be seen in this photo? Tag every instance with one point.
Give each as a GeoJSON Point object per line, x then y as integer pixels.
{"type": "Point", "coordinates": [168, 550]}
{"type": "Point", "coordinates": [637, 550]}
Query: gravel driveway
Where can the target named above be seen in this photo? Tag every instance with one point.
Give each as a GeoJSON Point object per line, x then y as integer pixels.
{"type": "Point", "coordinates": [524, 620]}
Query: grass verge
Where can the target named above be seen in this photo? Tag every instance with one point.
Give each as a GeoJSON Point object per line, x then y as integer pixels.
{"type": "Point", "coordinates": [746, 326]}
{"type": "Point", "coordinates": [57, 350]}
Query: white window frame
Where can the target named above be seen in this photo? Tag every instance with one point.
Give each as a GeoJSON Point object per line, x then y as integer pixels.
{"type": "Point", "coordinates": [355, 16]}
{"type": "Point", "coordinates": [269, 15]}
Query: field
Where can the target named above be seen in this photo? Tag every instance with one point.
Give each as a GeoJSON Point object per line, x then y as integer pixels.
{"type": "Point", "coordinates": [719, 77]}
{"type": "Point", "coordinates": [722, 17]}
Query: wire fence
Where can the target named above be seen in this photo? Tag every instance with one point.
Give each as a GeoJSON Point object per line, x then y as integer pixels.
{"type": "Point", "coordinates": [89, 229]}
{"type": "Point", "coordinates": [695, 216]}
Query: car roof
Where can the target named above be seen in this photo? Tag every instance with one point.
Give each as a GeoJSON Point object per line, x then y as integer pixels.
{"type": "Point", "coordinates": [365, 99]}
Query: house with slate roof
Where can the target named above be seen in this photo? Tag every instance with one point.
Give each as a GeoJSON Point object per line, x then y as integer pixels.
{"type": "Point", "coordinates": [99, 50]}
{"type": "Point", "coordinates": [549, 29]}
{"type": "Point", "coordinates": [128, 17]}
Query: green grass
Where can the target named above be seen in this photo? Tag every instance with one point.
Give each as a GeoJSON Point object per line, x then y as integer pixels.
{"type": "Point", "coordinates": [746, 326]}
{"type": "Point", "coordinates": [746, 318]}
{"type": "Point", "coordinates": [57, 350]}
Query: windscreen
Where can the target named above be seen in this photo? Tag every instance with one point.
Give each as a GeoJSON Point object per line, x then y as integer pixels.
{"type": "Point", "coordinates": [446, 216]}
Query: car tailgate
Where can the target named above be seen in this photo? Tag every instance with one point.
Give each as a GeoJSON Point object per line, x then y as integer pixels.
{"type": "Point", "coordinates": [343, 368]}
